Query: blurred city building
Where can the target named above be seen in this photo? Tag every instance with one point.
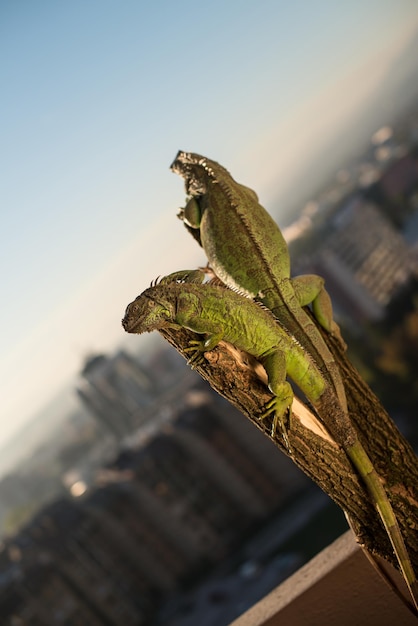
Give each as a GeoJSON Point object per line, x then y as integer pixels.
{"type": "Point", "coordinates": [365, 260]}
{"type": "Point", "coordinates": [159, 517]}
{"type": "Point", "coordinates": [115, 390]}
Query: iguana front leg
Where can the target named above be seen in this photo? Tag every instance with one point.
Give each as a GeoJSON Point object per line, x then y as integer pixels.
{"type": "Point", "coordinates": [274, 362]}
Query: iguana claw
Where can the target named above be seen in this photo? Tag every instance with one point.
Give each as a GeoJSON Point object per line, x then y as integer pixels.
{"type": "Point", "coordinates": [197, 357]}
{"type": "Point", "coordinates": [281, 418]}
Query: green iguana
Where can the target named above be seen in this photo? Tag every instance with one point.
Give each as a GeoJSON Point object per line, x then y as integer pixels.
{"type": "Point", "coordinates": [180, 300]}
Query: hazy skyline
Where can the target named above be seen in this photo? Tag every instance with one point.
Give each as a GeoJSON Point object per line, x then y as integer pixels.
{"type": "Point", "coordinates": [98, 98]}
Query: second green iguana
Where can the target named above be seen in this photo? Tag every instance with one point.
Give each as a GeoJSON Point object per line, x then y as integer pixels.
{"type": "Point", "coordinates": [180, 300]}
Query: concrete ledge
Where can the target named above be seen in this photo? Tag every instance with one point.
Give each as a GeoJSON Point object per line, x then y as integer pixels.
{"type": "Point", "coordinates": [339, 586]}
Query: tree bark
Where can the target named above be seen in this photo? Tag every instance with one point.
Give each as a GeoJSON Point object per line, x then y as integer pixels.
{"type": "Point", "coordinates": [239, 379]}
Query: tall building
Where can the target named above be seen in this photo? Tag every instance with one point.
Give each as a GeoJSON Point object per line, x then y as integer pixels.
{"type": "Point", "coordinates": [117, 391]}
{"type": "Point", "coordinates": [365, 261]}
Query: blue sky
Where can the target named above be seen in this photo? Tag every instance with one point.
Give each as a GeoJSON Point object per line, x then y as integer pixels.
{"type": "Point", "coordinates": [98, 96]}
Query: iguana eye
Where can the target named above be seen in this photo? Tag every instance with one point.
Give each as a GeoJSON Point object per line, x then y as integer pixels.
{"type": "Point", "coordinates": [133, 308]}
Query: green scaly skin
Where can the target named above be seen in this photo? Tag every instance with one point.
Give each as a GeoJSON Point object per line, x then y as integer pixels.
{"type": "Point", "coordinates": [246, 250]}
{"type": "Point", "coordinates": [180, 300]}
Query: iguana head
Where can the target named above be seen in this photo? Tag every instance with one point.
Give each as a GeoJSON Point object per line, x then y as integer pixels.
{"type": "Point", "coordinates": [148, 312]}
{"type": "Point", "coordinates": [203, 176]}
{"type": "Point", "coordinates": [196, 170]}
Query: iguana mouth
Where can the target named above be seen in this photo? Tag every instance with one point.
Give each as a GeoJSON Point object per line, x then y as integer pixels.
{"type": "Point", "coordinates": [182, 164]}
{"type": "Point", "coordinates": [133, 316]}
{"type": "Point", "coordinates": [129, 325]}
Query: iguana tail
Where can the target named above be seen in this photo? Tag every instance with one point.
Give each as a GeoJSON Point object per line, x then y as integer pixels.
{"type": "Point", "coordinates": [364, 466]}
